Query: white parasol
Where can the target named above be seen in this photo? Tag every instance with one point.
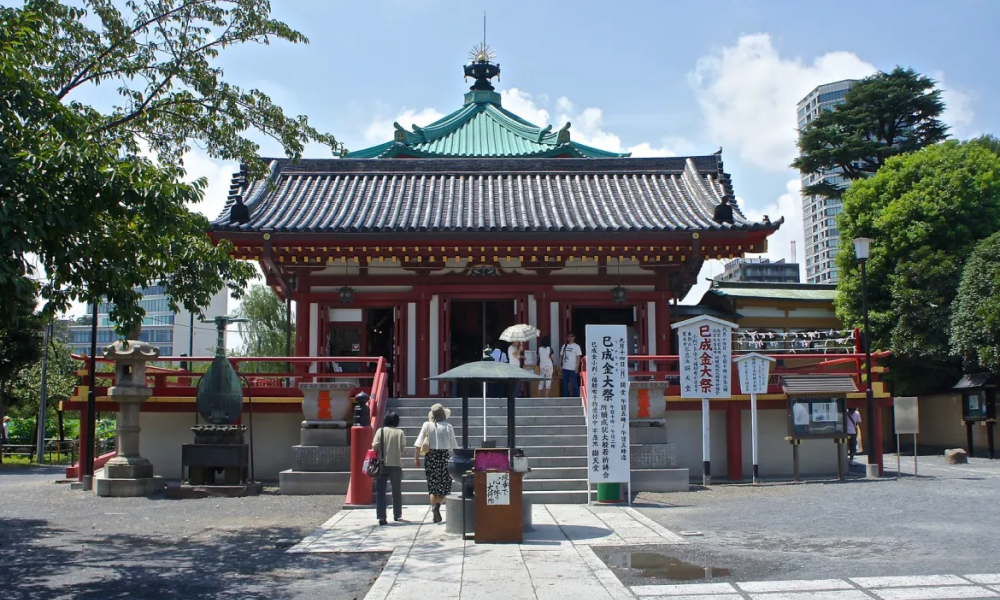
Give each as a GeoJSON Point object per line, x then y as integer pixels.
{"type": "Point", "coordinates": [519, 333]}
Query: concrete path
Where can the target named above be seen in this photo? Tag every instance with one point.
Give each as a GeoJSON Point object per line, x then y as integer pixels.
{"type": "Point", "coordinates": [555, 561]}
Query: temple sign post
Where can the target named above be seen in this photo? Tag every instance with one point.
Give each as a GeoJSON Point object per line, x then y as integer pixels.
{"type": "Point", "coordinates": [754, 370]}
{"type": "Point", "coordinates": [704, 345]}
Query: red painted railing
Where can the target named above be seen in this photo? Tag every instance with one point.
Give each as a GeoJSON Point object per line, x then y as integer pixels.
{"type": "Point", "coordinates": [183, 383]}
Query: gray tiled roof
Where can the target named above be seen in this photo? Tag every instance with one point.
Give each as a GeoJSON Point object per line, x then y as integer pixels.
{"type": "Point", "coordinates": [818, 384]}
{"type": "Point", "coordinates": [475, 195]}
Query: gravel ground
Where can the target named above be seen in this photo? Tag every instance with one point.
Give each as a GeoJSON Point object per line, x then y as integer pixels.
{"type": "Point", "coordinates": [943, 522]}
{"type": "Point", "coordinates": [58, 543]}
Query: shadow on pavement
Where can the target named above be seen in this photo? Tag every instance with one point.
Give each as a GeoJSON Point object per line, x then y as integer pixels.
{"type": "Point", "coordinates": [40, 562]}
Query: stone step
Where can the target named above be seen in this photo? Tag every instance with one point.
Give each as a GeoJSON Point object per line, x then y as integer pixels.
{"type": "Point", "coordinates": [411, 473]}
{"type": "Point", "coordinates": [519, 411]}
{"type": "Point", "coordinates": [521, 440]}
{"type": "Point", "coordinates": [456, 403]}
{"type": "Point", "coordinates": [536, 496]}
{"type": "Point", "coordinates": [500, 429]}
{"type": "Point", "coordinates": [519, 420]}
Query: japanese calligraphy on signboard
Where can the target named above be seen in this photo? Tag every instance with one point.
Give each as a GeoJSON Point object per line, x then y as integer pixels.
{"type": "Point", "coordinates": [705, 348]}
{"type": "Point", "coordinates": [754, 370]}
{"type": "Point", "coordinates": [607, 404]}
{"type": "Point", "coordinates": [497, 489]}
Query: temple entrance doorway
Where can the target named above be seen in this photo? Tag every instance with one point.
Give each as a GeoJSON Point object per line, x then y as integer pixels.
{"type": "Point", "coordinates": [380, 338]}
{"type": "Point", "coordinates": [583, 316]}
{"type": "Point", "coordinates": [476, 323]}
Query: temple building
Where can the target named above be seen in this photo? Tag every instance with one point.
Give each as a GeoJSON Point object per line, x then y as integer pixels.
{"type": "Point", "coordinates": [424, 248]}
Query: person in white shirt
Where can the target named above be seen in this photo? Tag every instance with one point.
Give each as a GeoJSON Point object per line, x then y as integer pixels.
{"type": "Point", "coordinates": [436, 441]}
{"type": "Point", "coordinates": [853, 422]}
{"type": "Point", "coordinates": [545, 366]}
{"type": "Point", "coordinates": [515, 355]}
{"type": "Point", "coordinates": [569, 360]}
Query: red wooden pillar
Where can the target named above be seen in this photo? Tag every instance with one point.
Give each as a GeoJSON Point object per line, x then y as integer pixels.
{"type": "Point", "coordinates": [879, 441]}
{"type": "Point", "coordinates": [423, 345]}
{"type": "Point", "coordinates": [734, 441]}
{"type": "Point", "coordinates": [663, 346]}
{"type": "Point", "coordinates": [302, 322]}
{"type": "Point", "coordinates": [84, 440]}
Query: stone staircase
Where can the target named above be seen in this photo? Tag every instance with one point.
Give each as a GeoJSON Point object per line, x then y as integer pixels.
{"type": "Point", "coordinates": [552, 432]}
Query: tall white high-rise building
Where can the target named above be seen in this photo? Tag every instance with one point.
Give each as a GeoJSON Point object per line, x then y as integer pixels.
{"type": "Point", "coordinates": [171, 332]}
{"type": "Point", "coordinates": [819, 215]}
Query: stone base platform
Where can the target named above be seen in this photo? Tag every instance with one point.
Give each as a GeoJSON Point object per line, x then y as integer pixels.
{"type": "Point", "coordinates": [128, 488]}
{"type": "Point", "coordinates": [313, 483]}
{"type": "Point", "coordinates": [453, 506]}
{"type": "Point", "coordinates": [193, 492]}
{"type": "Point", "coordinates": [660, 480]}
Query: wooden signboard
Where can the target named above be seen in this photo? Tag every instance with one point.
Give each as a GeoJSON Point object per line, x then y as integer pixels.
{"type": "Point", "coordinates": [499, 519]}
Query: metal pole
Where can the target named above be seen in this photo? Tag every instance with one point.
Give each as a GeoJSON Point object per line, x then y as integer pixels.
{"type": "Point", "coordinates": [88, 450]}
{"type": "Point", "coordinates": [873, 467]}
{"type": "Point", "coordinates": [40, 450]}
{"type": "Point", "coordinates": [898, 455]}
{"type": "Point", "coordinates": [191, 336]}
{"type": "Point", "coordinates": [753, 434]}
{"type": "Point", "coordinates": [288, 327]}
{"type": "Point", "coordinates": [914, 455]}
{"type": "Point", "coordinates": [706, 474]}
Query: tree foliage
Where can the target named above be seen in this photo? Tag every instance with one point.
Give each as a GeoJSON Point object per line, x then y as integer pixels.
{"type": "Point", "coordinates": [20, 345]}
{"type": "Point", "coordinates": [925, 212]}
{"type": "Point", "coordinates": [975, 320]}
{"type": "Point", "coordinates": [882, 116]}
{"type": "Point", "coordinates": [81, 204]}
{"type": "Point", "coordinates": [264, 334]}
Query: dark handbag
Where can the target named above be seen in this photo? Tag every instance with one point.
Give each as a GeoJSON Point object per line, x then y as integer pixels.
{"type": "Point", "coordinates": [376, 466]}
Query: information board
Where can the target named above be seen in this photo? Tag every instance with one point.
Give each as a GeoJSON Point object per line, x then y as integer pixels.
{"type": "Point", "coordinates": [906, 416]}
{"type": "Point", "coordinates": [816, 417]}
{"type": "Point", "coordinates": [705, 347]}
{"type": "Point", "coordinates": [607, 404]}
{"type": "Point", "coordinates": [754, 370]}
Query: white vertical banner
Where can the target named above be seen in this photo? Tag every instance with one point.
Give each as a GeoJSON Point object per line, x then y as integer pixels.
{"type": "Point", "coordinates": [705, 348]}
{"type": "Point", "coordinates": [706, 354]}
{"type": "Point", "coordinates": [754, 370]}
{"type": "Point", "coordinates": [607, 404]}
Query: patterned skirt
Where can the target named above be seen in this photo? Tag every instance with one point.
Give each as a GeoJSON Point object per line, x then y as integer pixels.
{"type": "Point", "coordinates": [436, 471]}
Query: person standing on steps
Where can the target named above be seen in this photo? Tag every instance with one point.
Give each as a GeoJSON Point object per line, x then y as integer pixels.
{"type": "Point", "coordinates": [435, 442]}
{"type": "Point", "coordinates": [390, 442]}
{"type": "Point", "coordinates": [569, 357]}
{"type": "Point", "coordinates": [545, 366]}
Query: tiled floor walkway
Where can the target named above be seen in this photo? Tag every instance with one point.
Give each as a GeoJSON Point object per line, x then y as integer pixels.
{"type": "Point", "coordinates": [555, 560]}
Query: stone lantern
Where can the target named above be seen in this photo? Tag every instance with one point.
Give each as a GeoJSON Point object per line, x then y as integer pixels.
{"type": "Point", "coordinates": [128, 474]}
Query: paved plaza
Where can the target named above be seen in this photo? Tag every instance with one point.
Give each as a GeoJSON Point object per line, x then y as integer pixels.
{"type": "Point", "coordinates": [555, 561]}
{"type": "Point", "coordinates": [931, 537]}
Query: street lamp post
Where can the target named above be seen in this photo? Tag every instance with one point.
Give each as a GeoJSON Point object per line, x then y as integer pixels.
{"type": "Point", "coordinates": [861, 252]}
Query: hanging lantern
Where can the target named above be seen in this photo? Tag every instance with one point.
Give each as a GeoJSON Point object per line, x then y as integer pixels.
{"type": "Point", "coordinates": [618, 294]}
{"type": "Point", "coordinates": [346, 295]}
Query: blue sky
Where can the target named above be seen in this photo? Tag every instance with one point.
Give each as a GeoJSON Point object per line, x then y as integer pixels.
{"type": "Point", "coordinates": [652, 77]}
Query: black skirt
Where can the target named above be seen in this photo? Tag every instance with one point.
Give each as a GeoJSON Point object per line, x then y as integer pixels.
{"type": "Point", "coordinates": [436, 472]}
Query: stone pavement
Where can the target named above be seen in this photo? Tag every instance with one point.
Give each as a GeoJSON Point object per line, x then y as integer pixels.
{"type": "Point", "coordinates": [555, 561]}
{"type": "Point", "coordinates": [921, 587]}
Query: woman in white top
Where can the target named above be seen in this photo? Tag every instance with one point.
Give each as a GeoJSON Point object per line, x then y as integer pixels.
{"type": "Point", "coordinates": [515, 354]}
{"type": "Point", "coordinates": [545, 367]}
{"type": "Point", "coordinates": [436, 441]}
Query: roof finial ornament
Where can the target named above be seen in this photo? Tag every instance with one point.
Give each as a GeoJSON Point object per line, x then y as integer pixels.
{"type": "Point", "coordinates": [481, 65]}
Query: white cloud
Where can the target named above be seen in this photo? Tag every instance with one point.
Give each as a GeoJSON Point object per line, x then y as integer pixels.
{"type": "Point", "coordinates": [380, 130]}
{"type": "Point", "coordinates": [588, 128]}
{"type": "Point", "coordinates": [523, 104]}
{"type": "Point", "coordinates": [587, 124]}
{"type": "Point", "coordinates": [779, 244]}
{"type": "Point", "coordinates": [219, 175]}
{"type": "Point", "coordinates": [958, 111]}
{"type": "Point", "coordinates": [748, 94]}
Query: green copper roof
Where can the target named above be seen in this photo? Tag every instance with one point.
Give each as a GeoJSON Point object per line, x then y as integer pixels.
{"type": "Point", "coordinates": [776, 291]}
{"type": "Point", "coordinates": [482, 129]}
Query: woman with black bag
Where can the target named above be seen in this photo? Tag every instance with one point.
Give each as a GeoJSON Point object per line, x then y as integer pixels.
{"type": "Point", "coordinates": [390, 444]}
